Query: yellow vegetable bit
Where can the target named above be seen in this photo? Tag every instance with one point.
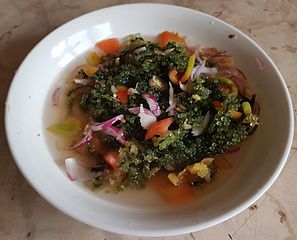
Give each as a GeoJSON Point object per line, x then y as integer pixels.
{"type": "Point", "coordinates": [174, 179]}
{"type": "Point", "coordinates": [89, 70]}
{"type": "Point", "coordinates": [93, 59]}
{"type": "Point", "coordinates": [189, 68]}
{"type": "Point", "coordinates": [68, 128]}
{"type": "Point", "coordinates": [201, 169]}
{"type": "Point", "coordinates": [247, 109]}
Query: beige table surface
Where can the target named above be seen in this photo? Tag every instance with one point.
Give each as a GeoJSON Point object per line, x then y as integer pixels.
{"type": "Point", "coordinates": [25, 215]}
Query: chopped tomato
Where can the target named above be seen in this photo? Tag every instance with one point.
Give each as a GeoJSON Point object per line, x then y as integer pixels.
{"type": "Point", "coordinates": [111, 45]}
{"type": "Point", "coordinates": [122, 94]}
{"type": "Point", "coordinates": [170, 193]}
{"type": "Point", "coordinates": [172, 74]}
{"type": "Point", "coordinates": [112, 158]}
{"type": "Point", "coordinates": [158, 128]}
{"type": "Point", "coordinates": [165, 37]}
{"type": "Point", "coordinates": [223, 163]}
{"type": "Point", "coordinates": [217, 105]}
{"type": "Point", "coordinates": [89, 70]}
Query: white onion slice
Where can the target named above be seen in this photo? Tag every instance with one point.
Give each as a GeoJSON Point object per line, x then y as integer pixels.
{"type": "Point", "coordinates": [76, 172]}
{"type": "Point", "coordinates": [81, 81]}
{"type": "Point", "coordinates": [146, 117]}
{"type": "Point", "coordinates": [113, 89]}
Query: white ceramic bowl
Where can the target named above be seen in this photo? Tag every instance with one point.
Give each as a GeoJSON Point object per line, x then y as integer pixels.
{"type": "Point", "coordinates": [259, 162]}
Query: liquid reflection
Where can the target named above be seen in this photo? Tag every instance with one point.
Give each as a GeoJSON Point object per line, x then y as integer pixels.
{"type": "Point", "coordinates": [73, 46]}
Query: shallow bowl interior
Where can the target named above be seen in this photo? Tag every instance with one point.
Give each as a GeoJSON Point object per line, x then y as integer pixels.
{"type": "Point", "coordinates": [257, 164]}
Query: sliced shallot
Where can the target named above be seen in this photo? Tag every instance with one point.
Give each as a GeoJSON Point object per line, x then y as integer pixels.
{"type": "Point", "coordinates": [76, 172]}
{"type": "Point", "coordinates": [153, 104]}
{"type": "Point", "coordinates": [56, 96]}
{"type": "Point", "coordinates": [103, 125]}
{"type": "Point", "coordinates": [88, 136]}
{"type": "Point", "coordinates": [146, 117]}
{"type": "Point", "coordinates": [172, 101]}
{"type": "Point", "coordinates": [197, 71]}
{"type": "Point", "coordinates": [116, 133]}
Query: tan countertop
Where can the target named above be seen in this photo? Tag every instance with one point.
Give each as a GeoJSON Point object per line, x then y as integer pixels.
{"type": "Point", "coordinates": [25, 215]}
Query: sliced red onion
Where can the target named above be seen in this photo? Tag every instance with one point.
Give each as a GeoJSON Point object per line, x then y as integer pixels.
{"type": "Point", "coordinates": [116, 133]}
{"type": "Point", "coordinates": [146, 117]}
{"type": "Point", "coordinates": [56, 96]}
{"type": "Point", "coordinates": [196, 131]}
{"type": "Point", "coordinates": [101, 66]}
{"type": "Point", "coordinates": [256, 109]}
{"type": "Point", "coordinates": [134, 110]}
{"type": "Point", "coordinates": [225, 72]}
{"type": "Point", "coordinates": [88, 136]}
{"type": "Point", "coordinates": [76, 172]}
{"type": "Point", "coordinates": [220, 58]}
{"type": "Point", "coordinates": [103, 125]}
{"type": "Point", "coordinates": [81, 81]}
{"type": "Point", "coordinates": [194, 72]}
{"type": "Point", "coordinates": [182, 107]}
{"type": "Point", "coordinates": [171, 94]}
{"type": "Point", "coordinates": [153, 104]}
{"type": "Point", "coordinates": [210, 71]}
{"type": "Point", "coordinates": [113, 89]}
{"type": "Point", "coordinates": [171, 108]}
{"type": "Point", "coordinates": [202, 69]}
{"type": "Point", "coordinates": [172, 100]}
{"type": "Point", "coordinates": [132, 91]}
{"type": "Point", "coordinates": [260, 63]}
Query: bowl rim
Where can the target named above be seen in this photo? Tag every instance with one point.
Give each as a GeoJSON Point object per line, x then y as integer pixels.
{"type": "Point", "coordinates": [163, 232]}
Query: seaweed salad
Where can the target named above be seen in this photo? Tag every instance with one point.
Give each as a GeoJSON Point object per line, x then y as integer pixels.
{"type": "Point", "coordinates": [154, 109]}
